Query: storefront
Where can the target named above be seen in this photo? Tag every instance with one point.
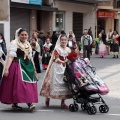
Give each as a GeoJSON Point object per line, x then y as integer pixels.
{"type": "Point", "coordinates": [19, 18]}
{"type": "Point", "coordinates": [106, 20]}
{"type": "Point", "coordinates": [30, 15]}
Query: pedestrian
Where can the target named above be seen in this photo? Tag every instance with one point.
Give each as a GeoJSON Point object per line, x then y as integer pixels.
{"type": "Point", "coordinates": [62, 32]}
{"type": "Point", "coordinates": [54, 38]}
{"type": "Point", "coordinates": [71, 44]}
{"type": "Point", "coordinates": [90, 33]}
{"type": "Point", "coordinates": [86, 41]}
{"type": "Point", "coordinates": [102, 44]}
{"type": "Point", "coordinates": [115, 46]}
{"type": "Point", "coordinates": [39, 41]}
{"type": "Point", "coordinates": [36, 54]}
{"type": "Point", "coordinates": [48, 48]}
{"type": "Point", "coordinates": [18, 83]}
{"type": "Point", "coordinates": [73, 35]}
{"type": "Point", "coordinates": [3, 43]}
{"type": "Point", "coordinates": [41, 36]}
{"type": "Point", "coordinates": [53, 84]}
{"type": "Point", "coordinates": [48, 35]}
{"type": "Point", "coordinates": [3, 52]}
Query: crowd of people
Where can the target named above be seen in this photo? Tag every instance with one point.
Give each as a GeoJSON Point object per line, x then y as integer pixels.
{"type": "Point", "coordinates": [107, 44]}
{"type": "Point", "coordinates": [27, 57]}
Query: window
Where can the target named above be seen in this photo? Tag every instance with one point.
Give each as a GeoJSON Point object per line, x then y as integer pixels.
{"type": "Point", "coordinates": [118, 3]}
{"type": "Point", "coordinates": [60, 20]}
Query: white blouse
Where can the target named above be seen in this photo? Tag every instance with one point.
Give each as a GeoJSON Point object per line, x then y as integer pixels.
{"type": "Point", "coordinates": [63, 52]}
{"type": "Point", "coordinates": [13, 50]}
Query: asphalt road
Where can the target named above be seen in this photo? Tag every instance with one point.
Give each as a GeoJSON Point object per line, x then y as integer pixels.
{"type": "Point", "coordinates": [108, 69]}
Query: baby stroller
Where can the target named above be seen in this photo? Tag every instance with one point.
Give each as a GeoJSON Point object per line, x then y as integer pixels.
{"type": "Point", "coordinates": [81, 72]}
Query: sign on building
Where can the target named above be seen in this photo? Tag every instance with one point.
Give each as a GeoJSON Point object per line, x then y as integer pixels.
{"type": "Point", "coordinates": [34, 2]}
{"type": "Point", "coordinates": [20, 1]}
{"type": "Point", "coordinates": [105, 14]}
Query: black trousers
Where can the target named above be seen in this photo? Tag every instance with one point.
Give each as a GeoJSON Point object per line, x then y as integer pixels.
{"type": "Point", "coordinates": [86, 52]}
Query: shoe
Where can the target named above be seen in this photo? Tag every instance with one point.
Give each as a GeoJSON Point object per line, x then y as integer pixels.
{"type": "Point", "coordinates": [16, 107]}
{"type": "Point", "coordinates": [45, 69]}
{"type": "Point", "coordinates": [114, 56]}
{"type": "Point", "coordinates": [64, 106]}
{"type": "Point", "coordinates": [31, 107]}
{"type": "Point", "coordinates": [65, 79]}
{"type": "Point", "coordinates": [47, 102]}
{"type": "Point", "coordinates": [117, 56]}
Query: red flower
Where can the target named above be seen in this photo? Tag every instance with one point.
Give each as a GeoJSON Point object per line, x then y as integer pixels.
{"type": "Point", "coordinates": [72, 56]}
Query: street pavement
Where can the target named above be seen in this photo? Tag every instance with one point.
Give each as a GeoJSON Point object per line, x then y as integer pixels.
{"type": "Point", "coordinates": [107, 68]}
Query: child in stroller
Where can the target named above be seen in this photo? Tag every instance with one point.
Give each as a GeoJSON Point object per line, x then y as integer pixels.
{"type": "Point", "coordinates": [79, 71]}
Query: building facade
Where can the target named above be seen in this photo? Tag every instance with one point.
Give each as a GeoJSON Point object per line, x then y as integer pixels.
{"type": "Point", "coordinates": [48, 16]}
{"type": "Point", "coordinates": [5, 19]}
{"type": "Point", "coordinates": [75, 16]}
{"type": "Point", "coordinates": [108, 15]}
{"type": "Point", "coordinates": [31, 16]}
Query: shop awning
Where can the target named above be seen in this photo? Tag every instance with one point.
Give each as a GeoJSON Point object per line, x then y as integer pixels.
{"type": "Point", "coordinates": [33, 7]}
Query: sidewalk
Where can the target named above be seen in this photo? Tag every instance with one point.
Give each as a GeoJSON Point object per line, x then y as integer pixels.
{"type": "Point", "coordinates": [111, 76]}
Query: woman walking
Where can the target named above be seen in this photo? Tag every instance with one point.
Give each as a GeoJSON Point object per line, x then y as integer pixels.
{"type": "Point", "coordinates": [19, 83]}
{"type": "Point", "coordinates": [3, 43]}
{"type": "Point", "coordinates": [115, 46]}
{"type": "Point", "coordinates": [3, 52]}
{"type": "Point", "coordinates": [53, 84]}
{"type": "Point", "coordinates": [102, 44]}
{"type": "Point", "coordinates": [36, 54]}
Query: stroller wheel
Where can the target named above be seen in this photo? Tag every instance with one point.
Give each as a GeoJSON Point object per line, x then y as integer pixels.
{"type": "Point", "coordinates": [91, 110]}
{"type": "Point", "coordinates": [73, 107]}
{"type": "Point", "coordinates": [84, 106]}
{"type": "Point", "coordinates": [103, 108]}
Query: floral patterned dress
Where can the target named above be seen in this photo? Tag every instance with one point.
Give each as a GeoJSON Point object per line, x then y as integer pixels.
{"type": "Point", "coordinates": [53, 85]}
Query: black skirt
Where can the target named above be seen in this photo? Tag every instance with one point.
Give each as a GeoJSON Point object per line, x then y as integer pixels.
{"type": "Point", "coordinates": [46, 58]}
{"type": "Point", "coordinates": [36, 62]}
{"type": "Point", "coordinates": [115, 47]}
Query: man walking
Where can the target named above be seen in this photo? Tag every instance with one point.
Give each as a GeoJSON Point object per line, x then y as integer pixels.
{"type": "Point", "coordinates": [86, 41]}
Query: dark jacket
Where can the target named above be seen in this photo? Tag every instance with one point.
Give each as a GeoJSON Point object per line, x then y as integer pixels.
{"type": "Point", "coordinates": [42, 37]}
{"type": "Point", "coordinates": [54, 39]}
{"type": "Point", "coordinates": [3, 44]}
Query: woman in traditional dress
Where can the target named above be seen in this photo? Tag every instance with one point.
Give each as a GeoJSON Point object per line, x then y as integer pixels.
{"type": "Point", "coordinates": [102, 44]}
{"type": "Point", "coordinates": [115, 46]}
{"type": "Point", "coordinates": [19, 81]}
{"type": "Point", "coordinates": [73, 35]}
{"type": "Point", "coordinates": [48, 48]}
{"type": "Point", "coordinates": [53, 85]}
{"type": "Point", "coordinates": [36, 54]}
